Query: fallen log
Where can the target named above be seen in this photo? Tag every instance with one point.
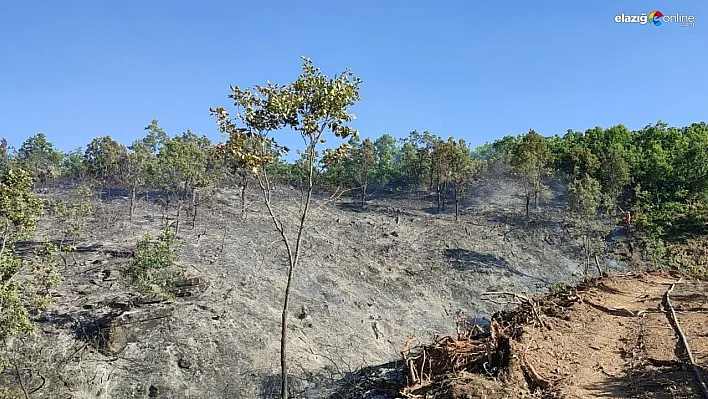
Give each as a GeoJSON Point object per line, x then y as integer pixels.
{"type": "Point", "coordinates": [622, 312]}
{"type": "Point", "coordinates": [531, 372]}
{"type": "Point", "coordinates": [684, 342]}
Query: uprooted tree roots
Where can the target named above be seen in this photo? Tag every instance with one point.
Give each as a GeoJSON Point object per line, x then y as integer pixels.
{"type": "Point", "coordinates": [451, 355]}
{"type": "Point", "coordinates": [466, 352]}
{"type": "Point", "coordinates": [486, 352]}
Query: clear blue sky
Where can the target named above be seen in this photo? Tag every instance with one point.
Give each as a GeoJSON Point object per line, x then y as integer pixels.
{"type": "Point", "coordinates": [79, 69]}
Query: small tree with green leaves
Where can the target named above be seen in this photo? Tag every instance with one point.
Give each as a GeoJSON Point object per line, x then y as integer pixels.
{"type": "Point", "coordinates": [73, 218]}
{"type": "Point", "coordinates": [151, 144]}
{"type": "Point", "coordinates": [39, 156]}
{"type": "Point", "coordinates": [102, 159]}
{"type": "Point", "coordinates": [183, 168]}
{"type": "Point", "coordinates": [314, 106]}
{"type": "Point", "coordinates": [584, 198]}
{"type": "Point", "coordinates": [135, 168]}
{"type": "Point", "coordinates": [388, 167]}
{"type": "Point", "coordinates": [154, 271]}
{"type": "Point", "coordinates": [195, 166]}
{"type": "Point", "coordinates": [4, 153]}
{"type": "Point", "coordinates": [463, 170]}
{"type": "Point", "coordinates": [74, 167]}
{"type": "Point", "coordinates": [239, 170]}
{"type": "Point", "coordinates": [361, 164]}
{"type": "Point", "coordinates": [24, 283]}
{"type": "Point", "coordinates": [530, 161]}
{"type": "Point", "coordinates": [439, 167]}
{"type": "Point", "coordinates": [453, 164]}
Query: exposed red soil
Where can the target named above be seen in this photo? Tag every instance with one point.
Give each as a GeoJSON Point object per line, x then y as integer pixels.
{"type": "Point", "coordinates": [610, 338]}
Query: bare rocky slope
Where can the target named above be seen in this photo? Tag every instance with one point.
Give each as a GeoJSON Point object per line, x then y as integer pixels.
{"type": "Point", "coordinates": [370, 279]}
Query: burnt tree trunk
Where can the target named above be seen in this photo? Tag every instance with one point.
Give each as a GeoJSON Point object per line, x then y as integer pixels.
{"type": "Point", "coordinates": [194, 207]}
{"type": "Point", "coordinates": [528, 204]}
{"type": "Point", "coordinates": [457, 206]}
{"type": "Point", "coordinates": [444, 198]}
{"type": "Point", "coordinates": [179, 212]}
{"type": "Point", "coordinates": [244, 186]}
{"type": "Point", "coordinates": [535, 199]}
{"type": "Point", "coordinates": [166, 211]}
{"type": "Point", "coordinates": [439, 197]}
{"type": "Point", "coordinates": [132, 201]}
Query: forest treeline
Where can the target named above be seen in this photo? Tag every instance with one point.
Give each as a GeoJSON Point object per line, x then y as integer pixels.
{"type": "Point", "coordinates": [658, 173]}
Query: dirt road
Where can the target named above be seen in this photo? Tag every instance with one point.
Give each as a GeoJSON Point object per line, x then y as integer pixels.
{"type": "Point", "coordinates": [619, 341]}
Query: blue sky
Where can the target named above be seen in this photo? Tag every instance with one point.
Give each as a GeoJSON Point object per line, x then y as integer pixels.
{"type": "Point", "coordinates": [80, 69]}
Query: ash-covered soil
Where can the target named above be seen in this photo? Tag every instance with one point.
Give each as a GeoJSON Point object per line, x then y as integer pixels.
{"type": "Point", "coordinates": [371, 278]}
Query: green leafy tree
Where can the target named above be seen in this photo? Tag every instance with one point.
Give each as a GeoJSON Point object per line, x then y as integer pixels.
{"type": "Point", "coordinates": [133, 174]}
{"type": "Point", "coordinates": [611, 148]}
{"type": "Point", "coordinates": [614, 174]}
{"type": "Point", "coordinates": [463, 170]}
{"type": "Point", "coordinates": [154, 270]}
{"type": "Point", "coordinates": [102, 159]}
{"type": "Point", "coordinates": [4, 153]}
{"type": "Point", "coordinates": [584, 198]}
{"type": "Point", "coordinates": [507, 145]}
{"type": "Point", "coordinates": [39, 156]}
{"type": "Point", "coordinates": [185, 168]}
{"type": "Point", "coordinates": [138, 167]}
{"type": "Point", "coordinates": [530, 161]}
{"type": "Point", "coordinates": [417, 150]}
{"type": "Point", "coordinates": [25, 284]}
{"type": "Point", "coordinates": [572, 157]}
{"type": "Point", "coordinates": [155, 137]}
{"type": "Point", "coordinates": [485, 152]}
{"type": "Point", "coordinates": [429, 141]}
{"type": "Point", "coordinates": [74, 167]}
{"type": "Point", "coordinates": [694, 166]}
{"type": "Point", "coordinates": [336, 171]}
{"type": "Point", "coordinates": [362, 163]}
{"type": "Point", "coordinates": [241, 171]}
{"type": "Point", "coordinates": [315, 106]}
{"type": "Point", "coordinates": [438, 163]}
{"type": "Point", "coordinates": [411, 168]}
{"type": "Point", "coordinates": [152, 144]}
{"type": "Point", "coordinates": [387, 170]}
{"type": "Point", "coordinates": [454, 166]}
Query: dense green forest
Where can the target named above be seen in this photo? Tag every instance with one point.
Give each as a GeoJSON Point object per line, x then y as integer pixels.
{"type": "Point", "coordinates": [658, 173]}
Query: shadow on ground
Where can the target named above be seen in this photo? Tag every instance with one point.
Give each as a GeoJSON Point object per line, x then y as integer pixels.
{"type": "Point", "coordinates": [666, 380]}
{"type": "Point", "coordinates": [369, 208]}
{"type": "Point", "coordinates": [466, 260]}
{"type": "Point", "coordinates": [84, 326]}
{"type": "Point", "coordinates": [26, 248]}
{"type": "Point", "coordinates": [382, 381]}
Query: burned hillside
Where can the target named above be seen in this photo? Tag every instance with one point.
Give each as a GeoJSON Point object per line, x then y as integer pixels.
{"type": "Point", "coordinates": [373, 277]}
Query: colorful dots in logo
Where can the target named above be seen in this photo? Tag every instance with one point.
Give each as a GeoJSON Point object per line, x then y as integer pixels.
{"type": "Point", "coordinates": [655, 17]}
